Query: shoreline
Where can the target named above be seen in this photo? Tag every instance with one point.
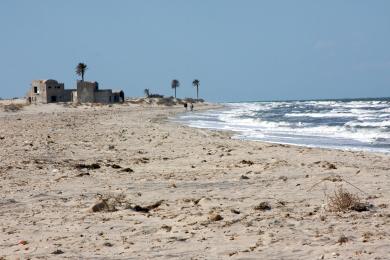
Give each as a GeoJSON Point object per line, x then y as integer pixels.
{"type": "Point", "coordinates": [237, 135]}
{"type": "Point", "coordinates": [176, 191]}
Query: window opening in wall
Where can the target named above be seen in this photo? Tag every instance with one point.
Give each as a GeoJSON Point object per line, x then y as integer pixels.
{"type": "Point", "coordinates": [35, 90]}
{"type": "Point", "coordinates": [53, 98]}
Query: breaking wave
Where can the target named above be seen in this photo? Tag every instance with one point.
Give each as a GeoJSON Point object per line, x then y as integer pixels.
{"type": "Point", "coordinates": [343, 124]}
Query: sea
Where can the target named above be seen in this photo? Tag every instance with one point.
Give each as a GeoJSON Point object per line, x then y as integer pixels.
{"type": "Point", "coordinates": [353, 124]}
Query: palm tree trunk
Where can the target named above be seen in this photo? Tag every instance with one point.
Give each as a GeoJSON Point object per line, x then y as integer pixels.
{"type": "Point", "coordinates": [175, 92]}
{"type": "Point", "coordinates": [82, 76]}
{"type": "Point", "coordinates": [197, 92]}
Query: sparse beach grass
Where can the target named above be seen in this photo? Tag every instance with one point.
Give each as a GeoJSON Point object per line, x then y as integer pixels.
{"type": "Point", "coordinates": [13, 107]}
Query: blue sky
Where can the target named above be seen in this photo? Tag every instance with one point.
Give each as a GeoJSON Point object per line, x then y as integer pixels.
{"type": "Point", "coordinates": [239, 50]}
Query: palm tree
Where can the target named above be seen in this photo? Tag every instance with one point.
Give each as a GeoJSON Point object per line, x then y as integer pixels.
{"type": "Point", "coordinates": [146, 92]}
{"type": "Point", "coordinates": [175, 84]}
{"type": "Point", "coordinates": [195, 83]}
{"type": "Point", "coordinates": [80, 70]}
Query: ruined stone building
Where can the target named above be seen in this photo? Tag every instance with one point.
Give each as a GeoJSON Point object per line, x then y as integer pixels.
{"type": "Point", "coordinates": [51, 91]}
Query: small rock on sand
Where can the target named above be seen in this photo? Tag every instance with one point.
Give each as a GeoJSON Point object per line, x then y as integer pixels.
{"type": "Point", "coordinates": [204, 201]}
{"type": "Point", "coordinates": [99, 206]}
{"type": "Point", "coordinates": [263, 206]}
{"type": "Point", "coordinates": [127, 170]}
{"type": "Point", "coordinates": [57, 252]}
{"type": "Point", "coordinates": [215, 217]}
{"type": "Point", "coordinates": [166, 228]}
{"type": "Point", "coordinates": [235, 211]}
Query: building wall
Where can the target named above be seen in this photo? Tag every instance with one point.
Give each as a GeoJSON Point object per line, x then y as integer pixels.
{"type": "Point", "coordinates": [118, 97]}
{"type": "Point", "coordinates": [47, 91]}
{"type": "Point", "coordinates": [55, 92]}
{"type": "Point", "coordinates": [68, 95]}
{"type": "Point", "coordinates": [50, 91]}
{"type": "Point", "coordinates": [37, 92]}
{"type": "Point", "coordinates": [103, 96]}
{"type": "Point", "coordinates": [86, 91]}
{"type": "Point", "coordinates": [73, 95]}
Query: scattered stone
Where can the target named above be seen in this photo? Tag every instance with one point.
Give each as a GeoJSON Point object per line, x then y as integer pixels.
{"type": "Point", "coordinates": [166, 228]}
{"type": "Point", "coordinates": [127, 170]}
{"type": "Point", "coordinates": [92, 166]}
{"type": "Point", "coordinates": [360, 207]}
{"type": "Point", "coordinates": [367, 236]}
{"type": "Point", "coordinates": [108, 244]}
{"type": "Point", "coordinates": [243, 177]}
{"type": "Point", "coordinates": [326, 165]}
{"type": "Point", "coordinates": [342, 239]}
{"type": "Point", "coordinates": [263, 206]}
{"type": "Point", "coordinates": [281, 203]}
{"type": "Point", "coordinates": [203, 201]}
{"type": "Point", "coordinates": [139, 208]}
{"type": "Point", "coordinates": [100, 206]}
{"type": "Point", "coordinates": [22, 242]}
{"type": "Point", "coordinates": [235, 211]}
{"type": "Point", "coordinates": [115, 166]}
{"type": "Point", "coordinates": [283, 178]}
{"type": "Point", "coordinates": [146, 209]}
{"type": "Point", "coordinates": [83, 174]}
{"type": "Point", "coordinates": [247, 162]}
{"type": "Point", "coordinates": [215, 217]}
{"type": "Point", "coordinates": [57, 252]}
{"type": "Point", "coordinates": [141, 160]}
{"type": "Point", "coordinates": [111, 147]}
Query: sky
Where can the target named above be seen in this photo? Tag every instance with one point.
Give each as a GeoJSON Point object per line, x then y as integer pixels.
{"type": "Point", "coordinates": [240, 50]}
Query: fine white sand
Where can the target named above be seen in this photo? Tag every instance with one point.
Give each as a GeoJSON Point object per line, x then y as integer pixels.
{"type": "Point", "coordinates": [170, 191]}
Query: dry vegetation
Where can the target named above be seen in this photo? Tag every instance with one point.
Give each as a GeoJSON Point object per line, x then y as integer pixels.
{"type": "Point", "coordinates": [342, 200]}
{"type": "Point", "coordinates": [13, 107]}
{"type": "Point", "coordinates": [113, 202]}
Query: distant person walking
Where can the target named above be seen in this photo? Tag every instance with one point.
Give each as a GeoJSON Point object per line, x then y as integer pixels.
{"type": "Point", "coordinates": [186, 106]}
{"type": "Point", "coordinates": [192, 107]}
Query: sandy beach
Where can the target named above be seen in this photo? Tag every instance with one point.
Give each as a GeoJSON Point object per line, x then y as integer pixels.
{"type": "Point", "coordinates": [125, 182]}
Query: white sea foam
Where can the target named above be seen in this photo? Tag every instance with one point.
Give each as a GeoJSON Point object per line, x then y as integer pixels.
{"type": "Point", "coordinates": [361, 125]}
